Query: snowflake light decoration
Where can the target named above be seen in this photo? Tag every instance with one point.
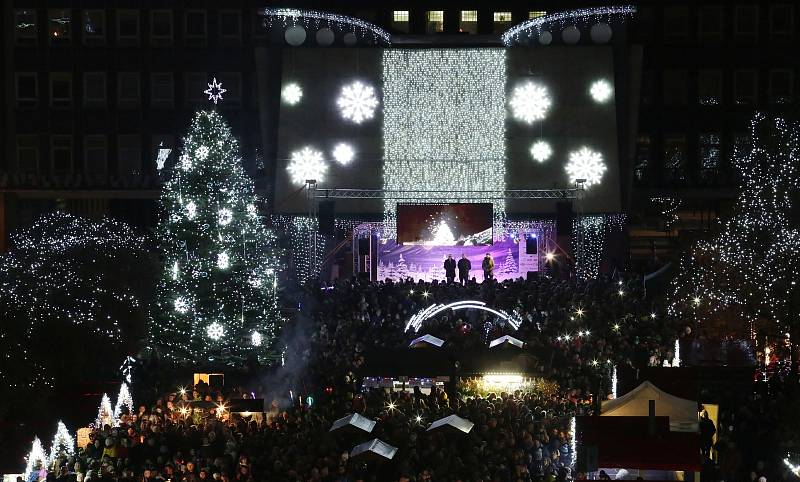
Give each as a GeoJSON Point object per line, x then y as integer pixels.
{"type": "Point", "coordinates": [586, 164]}
{"type": "Point", "coordinates": [601, 91]}
{"type": "Point", "coordinates": [202, 152]}
{"type": "Point", "coordinates": [541, 151]}
{"type": "Point", "coordinates": [215, 331]}
{"type": "Point", "coordinates": [307, 163]}
{"type": "Point", "coordinates": [256, 338]}
{"type": "Point", "coordinates": [191, 210]}
{"type": "Point", "coordinates": [357, 102]}
{"type": "Point", "coordinates": [181, 305]}
{"type": "Point", "coordinates": [215, 91]}
{"type": "Point", "coordinates": [291, 94]}
{"type": "Point", "coordinates": [343, 153]}
{"type": "Point", "coordinates": [224, 216]}
{"type": "Point", "coordinates": [186, 162]}
{"type": "Point", "coordinates": [252, 211]}
{"type": "Point", "coordinates": [530, 102]}
{"type": "Point", "coordinates": [223, 261]}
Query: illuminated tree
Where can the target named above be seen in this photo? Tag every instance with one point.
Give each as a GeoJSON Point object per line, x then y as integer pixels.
{"type": "Point", "coordinates": [218, 287]}
{"type": "Point", "coordinates": [65, 284]}
{"type": "Point", "coordinates": [748, 270]}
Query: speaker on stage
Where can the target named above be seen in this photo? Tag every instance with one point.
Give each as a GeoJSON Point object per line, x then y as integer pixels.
{"type": "Point", "coordinates": [564, 217]}
{"type": "Point", "coordinates": [363, 246]}
{"type": "Point", "coordinates": [531, 244]}
{"type": "Point", "coordinates": [327, 217]}
{"type": "Point", "coordinates": [533, 276]}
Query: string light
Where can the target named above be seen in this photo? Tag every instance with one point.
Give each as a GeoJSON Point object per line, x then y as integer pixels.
{"type": "Point", "coordinates": [676, 360]}
{"type": "Point", "coordinates": [256, 338]}
{"type": "Point", "coordinates": [357, 102]}
{"type": "Point", "coordinates": [530, 102]}
{"type": "Point", "coordinates": [444, 125]}
{"type": "Point", "coordinates": [307, 164]}
{"type": "Point", "coordinates": [315, 18]}
{"type": "Point", "coordinates": [291, 93]}
{"type": "Point", "coordinates": [583, 16]}
{"type": "Point", "coordinates": [614, 382]}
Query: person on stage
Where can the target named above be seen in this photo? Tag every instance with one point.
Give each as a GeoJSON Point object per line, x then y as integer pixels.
{"type": "Point", "coordinates": [450, 268]}
{"type": "Point", "coordinates": [488, 266]}
{"type": "Point", "coordinates": [463, 269]}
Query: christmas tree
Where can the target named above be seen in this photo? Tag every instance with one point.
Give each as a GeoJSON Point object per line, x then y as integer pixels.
{"type": "Point", "coordinates": [402, 269]}
{"type": "Point", "coordinates": [509, 265]}
{"type": "Point", "coordinates": [217, 297]}
{"type": "Point", "coordinates": [63, 443]}
{"type": "Point", "coordinates": [746, 272]}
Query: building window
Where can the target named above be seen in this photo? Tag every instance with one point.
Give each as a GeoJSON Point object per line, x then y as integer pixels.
{"type": "Point", "coordinates": [94, 89]}
{"type": "Point", "coordinates": [709, 87]}
{"type": "Point", "coordinates": [400, 21]}
{"type": "Point", "coordinates": [25, 27]}
{"type": "Point", "coordinates": [161, 27]}
{"type": "Point", "coordinates": [94, 27]}
{"type": "Point", "coordinates": [27, 154]}
{"type": "Point", "coordinates": [129, 155]}
{"type": "Point", "coordinates": [676, 23]}
{"type": "Point", "coordinates": [502, 20]}
{"type": "Point", "coordinates": [195, 84]}
{"type": "Point", "coordinates": [60, 25]}
{"type": "Point", "coordinates": [781, 86]}
{"type": "Point", "coordinates": [230, 25]}
{"type": "Point", "coordinates": [61, 154]}
{"type": "Point", "coordinates": [536, 14]}
{"type": "Point", "coordinates": [435, 21]}
{"type": "Point", "coordinates": [675, 88]}
{"type": "Point", "coordinates": [27, 89]}
{"type": "Point", "coordinates": [60, 89]}
{"type": "Point", "coordinates": [710, 23]}
{"type": "Point", "coordinates": [233, 84]}
{"type": "Point", "coordinates": [195, 26]}
{"type": "Point", "coordinates": [129, 92]}
{"type": "Point", "coordinates": [746, 21]}
{"type": "Point", "coordinates": [128, 26]}
{"type": "Point", "coordinates": [781, 20]}
{"type": "Point", "coordinates": [469, 21]}
{"type": "Point", "coordinates": [162, 89]}
{"type": "Point", "coordinates": [745, 85]}
{"type": "Point", "coordinates": [95, 155]}
{"type": "Point", "coordinates": [709, 152]}
{"type": "Point", "coordinates": [675, 156]}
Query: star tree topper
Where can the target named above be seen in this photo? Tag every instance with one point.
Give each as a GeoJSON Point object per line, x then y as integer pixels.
{"type": "Point", "coordinates": [215, 91]}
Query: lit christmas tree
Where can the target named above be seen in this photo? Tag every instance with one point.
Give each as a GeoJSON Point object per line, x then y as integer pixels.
{"type": "Point", "coordinates": [218, 289]}
{"type": "Point", "coordinates": [401, 272]}
{"type": "Point", "coordinates": [35, 461]}
{"type": "Point", "coordinates": [63, 443]}
{"type": "Point", "coordinates": [124, 399]}
{"type": "Point", "coordinates": [747, 271]}
{"type": "Point", "coordinates": [105, 415]}
{"type": "Point", "coordinates": [509, 265]}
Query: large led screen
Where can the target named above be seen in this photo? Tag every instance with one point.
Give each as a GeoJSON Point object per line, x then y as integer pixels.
{"type": "Point", "coordinates": [444, 224]}
{"type": "Point", "coordinates": [460, 124]}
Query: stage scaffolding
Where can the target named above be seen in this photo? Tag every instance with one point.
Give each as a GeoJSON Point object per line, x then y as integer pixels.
{"type": "Point", "coordinates": [314, 193]}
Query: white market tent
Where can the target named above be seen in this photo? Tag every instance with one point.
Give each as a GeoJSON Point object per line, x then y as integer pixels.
{"type": "Point", "coordinates": [682, 413]}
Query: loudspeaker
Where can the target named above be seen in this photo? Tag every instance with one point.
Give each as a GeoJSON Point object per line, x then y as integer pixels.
{"type": "Point", "coordinates": [533, 276]}
{"type": "Point", "coordinates": [564, 217]}
{"type": "Point", "coordinates": [363, 246]}
{"type": "Point", "coordinates": [327, 217]}
{"type": "Point", "coordinates": [531, 244]}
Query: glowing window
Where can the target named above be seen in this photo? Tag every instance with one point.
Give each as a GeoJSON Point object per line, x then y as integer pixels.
{"type": "Point", "coordinates": [502, 16]}
{"type": "Point", "coordinates": [536, 14]}
{"type": "Point", "coordinates": [400, 16]}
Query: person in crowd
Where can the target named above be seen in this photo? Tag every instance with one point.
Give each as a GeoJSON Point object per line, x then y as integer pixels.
{"type": "Point", "coordinates": [488, 266]}
{"type": "Point", "coordinates": [464, 266]}
{"type": "Point", "coordinates": [450, 269]}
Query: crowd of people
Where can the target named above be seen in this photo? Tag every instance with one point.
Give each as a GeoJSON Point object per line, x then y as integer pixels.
{"type": "Point", "coordinates": [575, 330]}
